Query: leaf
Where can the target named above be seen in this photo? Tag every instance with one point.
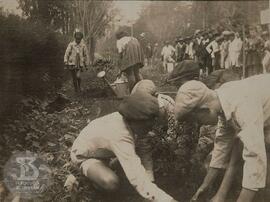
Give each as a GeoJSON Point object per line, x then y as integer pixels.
{"type": "Point", "coordinates": [69, 137]}
{"type": "Point", "coordinates": [36, 144]}
{"type": "Point", "coordinates": [50, 144]}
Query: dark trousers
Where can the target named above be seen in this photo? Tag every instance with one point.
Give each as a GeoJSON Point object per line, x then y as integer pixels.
{"type": "Point", "coordinates": [133, 75]}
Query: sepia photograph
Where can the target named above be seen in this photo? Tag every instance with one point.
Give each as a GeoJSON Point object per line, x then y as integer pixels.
{"type": "Point", "coordinates": [134, 101]}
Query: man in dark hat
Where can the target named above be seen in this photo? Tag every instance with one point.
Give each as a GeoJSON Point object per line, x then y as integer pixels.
{"type": "Point", "coordinates": [115, 135]}
{"type": "Point", "coordinates": [184, 71]}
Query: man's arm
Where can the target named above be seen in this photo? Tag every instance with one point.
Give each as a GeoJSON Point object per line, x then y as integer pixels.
{"type": "Point", "coordinates": [208, 180]}
{"type": "Point", "coordinates": [246, 195]}
{"type": "Point", "coordinates": [162, 52]}
{"type": "Point", "coordinates": [228, 179]}
{"type": "Point", "coordinates": [209, 48]}
{"type": "Point", "coordinates": [67, 53]}
{"type": "Point", "coordinates": [220, 156]}
{"type": "Point", "coordinates": [124, 150]}
{"type": "Point", "coordinates": [222, 145]}
{"type": "Point", "coordinates": [144, 151]}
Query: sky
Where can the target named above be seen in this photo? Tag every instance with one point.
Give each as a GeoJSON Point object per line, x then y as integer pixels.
{"type": "Point", "coordinates": [129, 10]}
{"type": "Point", "coordinates": [10, 5]}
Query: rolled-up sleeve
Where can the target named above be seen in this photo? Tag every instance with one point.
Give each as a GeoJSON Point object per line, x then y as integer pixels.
{"type": "Point", "coordinates": [124, 150]}
{"type": "Point", "coordinates": [250, 118]}
{"type": "Point", "coordinates": [222, 145]}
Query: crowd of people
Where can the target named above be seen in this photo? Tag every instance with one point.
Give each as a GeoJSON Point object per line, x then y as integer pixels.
{"type": "Point", "coordinates": [236, 111]}
{"type": "Point", "coordinates": [215, 50]}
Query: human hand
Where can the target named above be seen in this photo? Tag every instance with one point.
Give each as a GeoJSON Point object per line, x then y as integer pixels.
{"type": "Point", "coordinates": [217, 199]}
{"type": "Point", "coordinates": [197, 195]}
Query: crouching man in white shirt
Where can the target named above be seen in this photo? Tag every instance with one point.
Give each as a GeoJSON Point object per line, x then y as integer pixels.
{"type": "Point", "coordinates": [114, 135]}
{"type": "Point", "coordinates": [244, 107]}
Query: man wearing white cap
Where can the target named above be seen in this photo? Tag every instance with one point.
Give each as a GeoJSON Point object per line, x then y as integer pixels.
{"type": "Point", "coordinates": [242, 108]}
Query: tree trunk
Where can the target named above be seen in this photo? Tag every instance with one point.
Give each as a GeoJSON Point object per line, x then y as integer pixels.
{"type": "Point", "coordinates": [92, 45]}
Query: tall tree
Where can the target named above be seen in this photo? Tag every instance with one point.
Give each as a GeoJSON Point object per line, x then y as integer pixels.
{"type": "Point", "coordinates": [164, 20]}
{"type": "Point", "coordinates": [56, 13]}
{"type": "Point", "coordinates": [93, 17]}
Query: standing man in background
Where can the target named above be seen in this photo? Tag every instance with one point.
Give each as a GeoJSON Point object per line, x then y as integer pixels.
{"type": "Point", "coordinates": [235, 50]}
{"type": "Point", "coordinates": [131, 57]}
{"type": "Point", "coordinates": [149, 54]}
{"type": "Point", "coordinates": [190, 49]}
{"type": "Point", "coordinates": [254, 44]}
{"type": "Point", "coordinates": [155, 53]}
{"type": "Point", "coordinates": [167, 53]}
{"type": "Point", "coordinates": [265, 36]}
{"type": "Point", "coordinates": [179, 51]}
{"type": "Point", "coordinates": [266, 59]}
{"type": "Point", "coordinates": [76, 58]}
{"type": "Point", "coordinates": [214, 49]}
{"type": "Point", "coordinates": [224, 50]}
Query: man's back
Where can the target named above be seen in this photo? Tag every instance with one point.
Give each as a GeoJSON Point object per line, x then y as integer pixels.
{"type": "Point", "coordinates": [101, 133]}
{"type": "Point", "coordinates": [250, 92]}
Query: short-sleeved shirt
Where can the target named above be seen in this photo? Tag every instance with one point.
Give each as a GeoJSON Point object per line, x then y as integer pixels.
{"type": "Point", "coordinates": [246, 107]}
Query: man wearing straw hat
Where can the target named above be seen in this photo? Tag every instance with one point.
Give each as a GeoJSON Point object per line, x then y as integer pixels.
{"type": "Point", "coordinates": [242, 110]}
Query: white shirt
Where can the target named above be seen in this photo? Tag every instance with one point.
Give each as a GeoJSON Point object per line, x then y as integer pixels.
{"type": "Point", "coordinates": [108, 136]}
{"type": "Point", "coordinates": [190, 50]}
{"type": "Point", "coordinates": [212, 48]}
{"type": "Point", "coordinates": [199, 40]}
{"type": "Point", "coordinates": [235, 48]}
{"type": "Point", "coordinates": [266, 62]}
{"type": "Point", "coordinates": [246, 106]}
{"type": "Point", "coordinates": [167, 51]}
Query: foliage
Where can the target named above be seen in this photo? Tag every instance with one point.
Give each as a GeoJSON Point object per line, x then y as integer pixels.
{"type": "Point", "coordinates": [31, 59]}
{"type": "Point", "coordinates": [227, 14]}
{"type": "Point", "coordinates": [93, 17]}
{"type": "Point", "coordinates": [50, 12]}
{"type": "Point", "coordinates": [163, 20]}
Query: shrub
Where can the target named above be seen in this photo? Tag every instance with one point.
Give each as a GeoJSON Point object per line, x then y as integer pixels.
{"type": "Point", "coordinates": [31, 59]}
